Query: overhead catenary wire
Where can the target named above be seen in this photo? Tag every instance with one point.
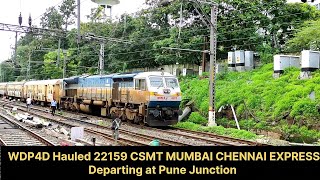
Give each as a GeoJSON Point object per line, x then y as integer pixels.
{"type": "Point", "coordinates": [247, 19]}
{"type": "Point", "coordinates": [228, 39]}
{"type": "Point", "coordinates": [45, 12]}
{"type": "Point", "coordinates": [219, 41]}
{"type": "Point", "coordinates": [163, 35]}
{"type": "Point", "coordinates": [53, 7]}
{"type": "Point", "coordinates": [241, 30]}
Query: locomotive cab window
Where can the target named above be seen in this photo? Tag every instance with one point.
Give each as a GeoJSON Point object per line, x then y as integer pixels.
{"type": "Point", "coordinates": [156, 81]}
{"type": "Point", "coordinates": [172, 82]}
{"type": "Point", "coordinates": [140, 84]}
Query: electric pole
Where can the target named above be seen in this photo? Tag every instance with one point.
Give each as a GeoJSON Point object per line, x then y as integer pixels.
{"type": "Point", "coordinates": [15, 49]}
{"type": "Point", "coordinates": [102, 41]}
{"type": "Point", "coordinates": [204, 54]}
{"type": "Point", "coordinates": [211, 23]}
{"type": "Point", "coordinates": [1, 72]}
{"type": "Point", "coordinates": [58, 56]}
{"type": "Point", "coordinates": [213, 50]}
{"type": "Point", "coordinates": [29, 65]}
{"type": "Point", "coordinates": [64, 63]}
{"type": "Point", "coordinates": [101, 58]}
{"type": "Point", "coordinates": [78, 19]}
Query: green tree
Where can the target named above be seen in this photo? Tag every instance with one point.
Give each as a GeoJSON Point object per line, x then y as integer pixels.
{"type": "Point", "coordinates": [67, 10]}
{"type": "Point", "coordinates": [96, 14]}
{"type": "Point", "coordinates": [50, 68]}
{"type": "Point", "coordinates": [307, 37]}
{"type": "Point", "coordinates": [52, 19]}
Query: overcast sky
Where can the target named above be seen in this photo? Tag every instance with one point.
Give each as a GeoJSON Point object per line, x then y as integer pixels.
{"type": "Point", "coordinates": [10, 9]}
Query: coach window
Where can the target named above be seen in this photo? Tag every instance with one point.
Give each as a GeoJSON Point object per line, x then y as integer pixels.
{"type": "Point", "coordinates": [136, 82]}
{"type": "Point", "coordinates": [140, 84]}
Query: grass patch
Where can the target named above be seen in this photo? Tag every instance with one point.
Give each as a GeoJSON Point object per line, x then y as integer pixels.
{"type": "Point", "coordinates": [269, 100]}
{"type": "Point", "coordinates": [219, 130]}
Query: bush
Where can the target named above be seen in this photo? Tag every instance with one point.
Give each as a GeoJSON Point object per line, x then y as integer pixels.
{"type": "Point", "coordinates": [241, 134]}
{"type": "Point", "coordinates": [268, 99]}
{"type": "Point", "coordinates": [195, 117]}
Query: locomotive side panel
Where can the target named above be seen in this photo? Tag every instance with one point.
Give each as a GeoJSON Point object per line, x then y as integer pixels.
{"type": "Point", "coordinates": [140, 93]}
{"type": "Point", "coordinates": [69, 94]}
{"type": "Point", "coordinates": [94, 94]}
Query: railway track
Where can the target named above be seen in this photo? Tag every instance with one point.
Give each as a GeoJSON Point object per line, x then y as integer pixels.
{"type": "Point", "coordinates": [150, 137]}
{"type": "Point", "coordinates": [122, 141]}
{"type": "Point", "coordinates": [209, 138]}
{"type": "Point", "coordinates": [140, 140]}
{"type": "Point", "coordinates": [138, 136]}
{"type": "Point", "coordinates": [13, 133]}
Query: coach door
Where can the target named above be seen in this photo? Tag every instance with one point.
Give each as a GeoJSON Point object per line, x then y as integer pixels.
{"type": "Point", "coordinates": [141, 92]}
{"type": "Point", "coordinates": [45, 93]}
{"type": "Point", "coordinates": [56, 90]}
{"type": "Point", "coordinates": [115, 91]}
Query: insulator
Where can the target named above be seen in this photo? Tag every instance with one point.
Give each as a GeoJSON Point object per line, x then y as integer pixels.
{"type": "Point", "coordinates": [30, 20]}
{"type": "Point", "coordinates": [165, 2]}
{"type": "Point", "coordinates": [20, 19]}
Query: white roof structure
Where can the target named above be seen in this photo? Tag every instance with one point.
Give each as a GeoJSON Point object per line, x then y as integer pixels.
{"type": "Point", "coordinates": [106, 2]}
{"type": "Point", "coordinates": [44, 82]}
{"type": "Point", "coordinates": [16, 83]}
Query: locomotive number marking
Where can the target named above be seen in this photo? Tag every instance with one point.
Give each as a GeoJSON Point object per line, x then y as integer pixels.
{"type": "Point", "coordinates": [161, 97]}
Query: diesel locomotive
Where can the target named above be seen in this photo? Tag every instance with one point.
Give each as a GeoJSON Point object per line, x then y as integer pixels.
{"type": "Point", "coordinates": [148, 98]}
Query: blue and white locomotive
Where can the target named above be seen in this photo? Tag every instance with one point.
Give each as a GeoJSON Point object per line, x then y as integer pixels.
{"type": "Point", "coordinates": [151, 98]}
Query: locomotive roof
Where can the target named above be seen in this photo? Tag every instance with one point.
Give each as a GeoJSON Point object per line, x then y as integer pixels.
{"type": "Point", "coordinates": [154, 73]}
{"type": "Point", "coordinates": [101, 76]}
{"type": "Point", "coordinates": [71, 80]}
{"type": "Point", "coordinates": [128, 75]}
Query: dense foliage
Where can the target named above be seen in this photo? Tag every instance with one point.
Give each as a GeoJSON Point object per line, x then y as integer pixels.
{"type": "Point", "coordinates": [261, 102]}
{"type": "Point", "coordinates": [261, 26]}
{"type": "Point", "coordinates": [241, 134]}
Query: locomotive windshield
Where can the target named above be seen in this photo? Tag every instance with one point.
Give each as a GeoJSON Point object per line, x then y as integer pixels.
{"type": "Point", "coordinates": [172, 82]}
{"type": "Point", "coordinates": [156, 81]}
{"type": "Point", "coordinates": [169, 82]}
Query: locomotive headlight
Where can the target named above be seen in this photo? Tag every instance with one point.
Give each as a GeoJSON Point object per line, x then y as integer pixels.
{"type": "Point", "coordinates": [153, 93]}
{"type": "Point", "coordinates": [156, 113]}
{"type": "Point", "coordinates": [169, 112]}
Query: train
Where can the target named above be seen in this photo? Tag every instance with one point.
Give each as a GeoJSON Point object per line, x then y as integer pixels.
{"type": "Point", "coordinates": [146, 98]}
